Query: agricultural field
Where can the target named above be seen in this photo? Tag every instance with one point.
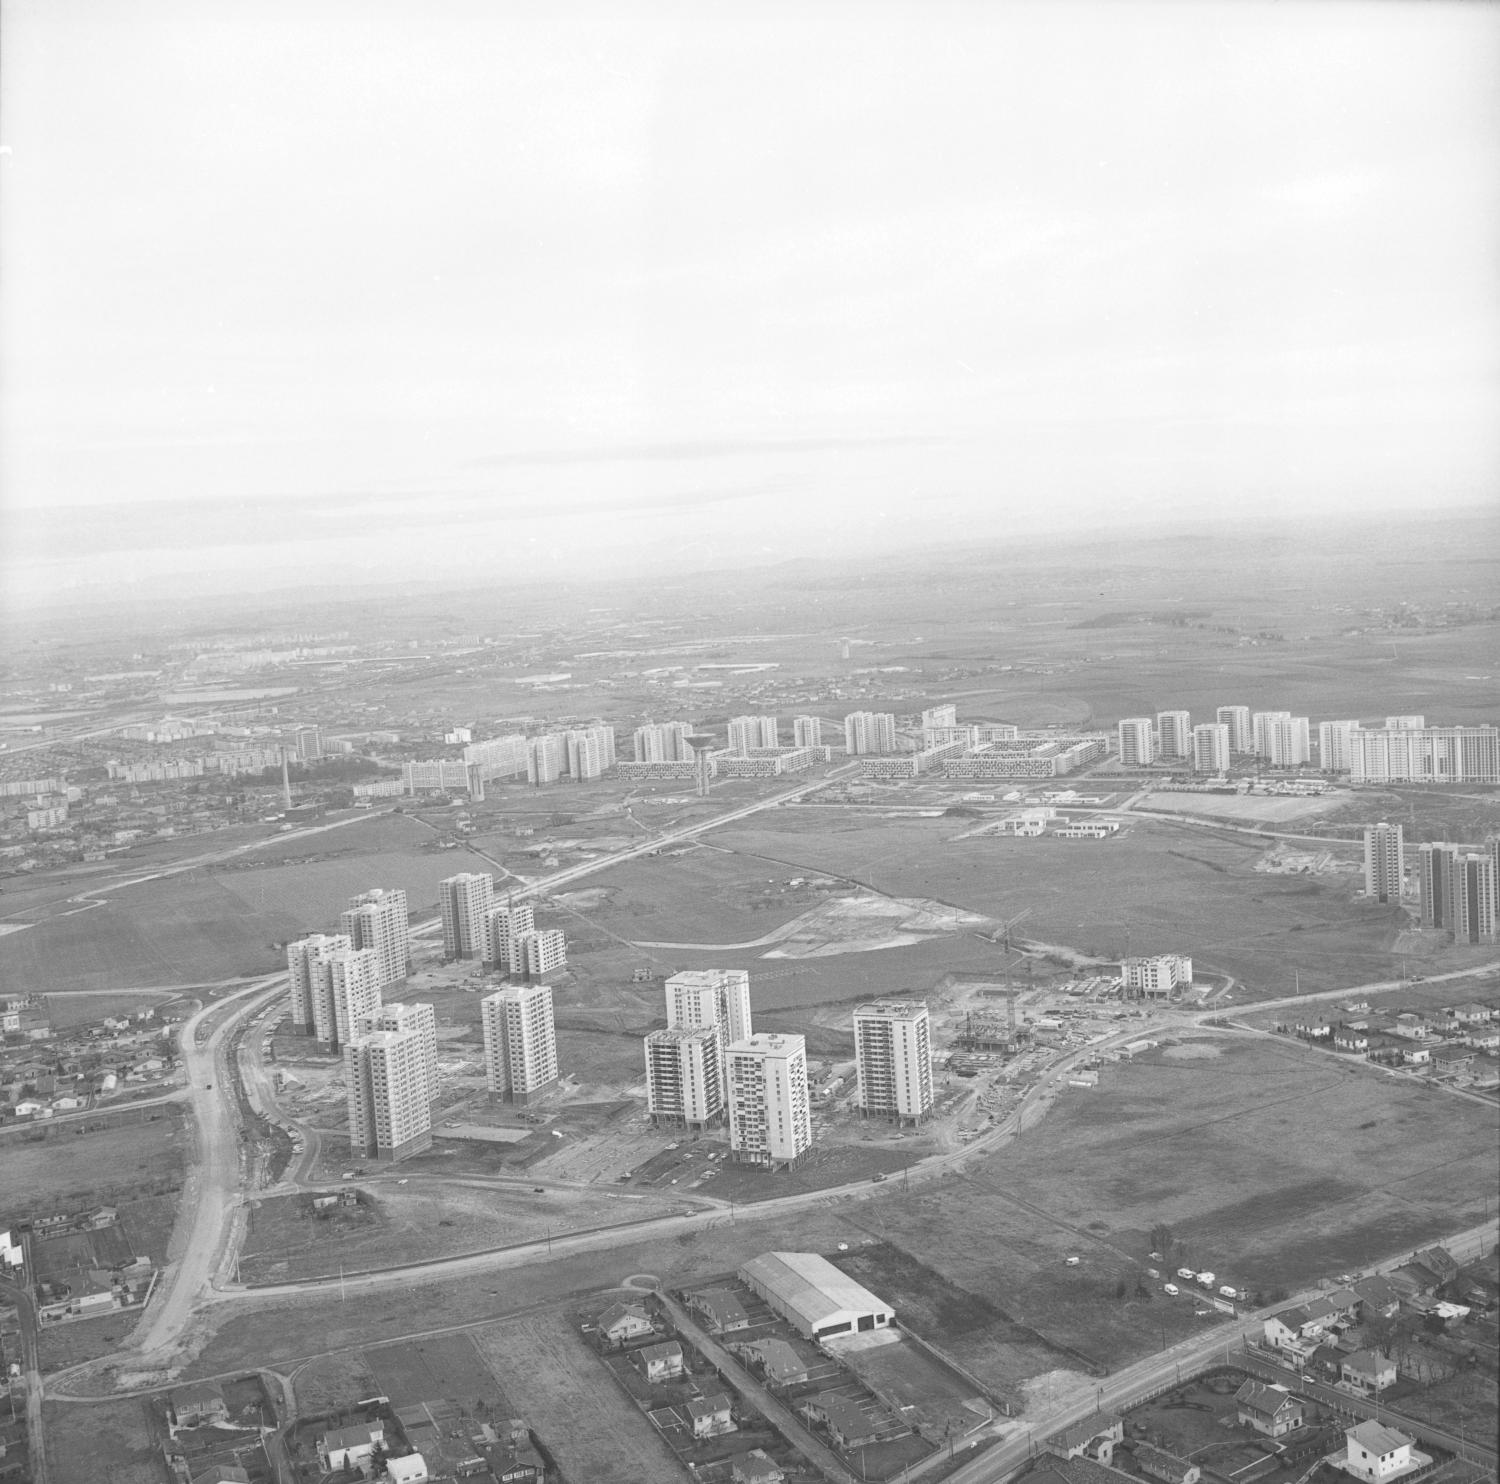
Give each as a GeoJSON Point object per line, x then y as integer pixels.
{"type": "Point", "coordinates": [68, 1170]}
{"type": "Point", "coordinates": [103, 1440]}
{"type": "Point", "coordinates": [545, 1368]}
{"type": "Point", "coordinates": [65, 1011]}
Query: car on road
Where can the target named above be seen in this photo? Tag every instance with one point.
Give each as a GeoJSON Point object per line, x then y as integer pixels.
{"type": "Point", "coordinates": [878, 1178]}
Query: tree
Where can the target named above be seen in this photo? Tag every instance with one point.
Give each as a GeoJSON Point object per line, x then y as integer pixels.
{"type": "Point", "coordinates": [1162, 1238]}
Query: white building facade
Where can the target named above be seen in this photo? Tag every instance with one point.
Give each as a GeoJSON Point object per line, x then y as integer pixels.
{"type": "Point", "coordinates": [770, 1120]}
{"type": "Point", "coordinates": [893, 1059]}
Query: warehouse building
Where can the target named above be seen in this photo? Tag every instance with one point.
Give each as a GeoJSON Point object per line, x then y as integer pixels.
{"type": "Point", "coordinates": [812, 1294]}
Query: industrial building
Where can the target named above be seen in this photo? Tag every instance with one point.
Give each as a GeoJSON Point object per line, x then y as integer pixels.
{"type": "Point", "coordinates": [814, 1296]}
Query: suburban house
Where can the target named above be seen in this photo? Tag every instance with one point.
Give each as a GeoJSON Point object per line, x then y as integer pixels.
{"type": "Point", "coordinates": [776, 1361]}
{"type": "Point", "coordinates": [1409, 1024]}
{"type": "Point", "coordinates": [843, 1420]}
{"type": "Point", "coordinates": [1483, 1037]}
{"type": "Point", "coordinates": [1271, 1410]}
{"type": "Point", "coordinates": [1094, 1437]}
{"type": "Point", "coordinates": [659, 1362]}
{"type": "Point", "coordinates": [410, 1469]}
{"type": "Point", "coordinates": [351, 1447]}
{"type": "Point", "coordinates": [1293, 1334]}
{"type": "Point", "coordinates": [1348, 1038]}
{"type": "Point", "coordinates": [621, 1323]}
{"type": "Point", "coordinates": [1160, 1464]}
{"type": "Point", "coordinates": [1454, 1059]}
{"type": "Point", "coordinates": [222, 1473]}
{"type": "Point", "coordinates": [1472, 1014]}
{"type": "Point", "coordinates": [710, 1415]}
{"type": "Point", "coordinates": [755, 1467]}
{"type": "Point", "coordinates": [1378, 1297]}
{"type": "Point", "coordinates": [198, 1406]}
{"type": "Point", "coordinates": [1344, 1302]}
{"type": "Point", "coordinates": [1369, 1371]}
{"type": "Point", "coordinates": [1375, 1452]}
{"type": "Point", "coordinates": [720, 1309]}
{"type": "Point", "coordinates": [1439, 1262]}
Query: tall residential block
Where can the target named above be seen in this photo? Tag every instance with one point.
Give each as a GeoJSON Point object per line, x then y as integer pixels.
{"type": "Point", "coordinates": [350, 989]}
{"type": "Point", "coordinates": [416, 1017]}
{"type": "Point", "coordinates": [466, 902]}
{"type": "Point", "coordinates": [1237, 719]}
{"type": "Point", "coordinates": [1473, 897]}
{"type": "Point", "coordinates": [390, 1114]}
{"type": "Point", "coordinates": [746, 732]}
{"type": "Point", "coordinates": [547, 758]}
{"type": "Point", "coordinates": [770, 1122]}
{"type": "Point", "coordinates": [1174, 734]}
{"type": "Point", "coordinates": [807, 731]}
{"type": "Point", "coordinates": [893, 1059]}
{"type": "Point", "coordinates": [308, 742]}
{"type": "Point", "coordinates": [508, 925]}
{"type": "Point", "coordinates": [1137, 741]}
{"type": "Point", "coordinates": [1281, 739]}
{"type": "Point", "coordinates": [1425, 755]}
{"type": "Point", "coordinates": [1211, 748]}
{"type": "Point", "coordinates": [1335, 744]}
{"type": "Point", "coordinates": [544, 952]}
{"type": "Point", "coordinates": [685, 1077]}
{"type": "Point", "coordinates": [590, 752]}
{"type": "Point", "coordinates": [378, 920]}
{"type": "Point", "coordinates": [304, 965]}
{"type": "Point", "coordinates": [1155, 978]}
{"type": "Point", "coordinates": [1435, 862]}
{"type": "Point", "coordinates": [1406, 723]}
{"type": "Point", "coordinates": [520, 1042]}
{"type": "Point", "coordinates": [662, 742]}
{"type": "Point", "coordinates": [1385, 862]}
{"type": "Point", "coordinates": [710, 997]}
{"type": "Point", "coordinates": [869, 732]}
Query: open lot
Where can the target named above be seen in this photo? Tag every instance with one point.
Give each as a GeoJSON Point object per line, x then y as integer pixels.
{"type": "Point", "coordinates": [545, 1368]}
{"type": "Point", "coordinates": [103, 1440]}
{"type": "Point", "coordinates": [68, 1170]}
{"type": "Point", "coordinates": [442, 1368]}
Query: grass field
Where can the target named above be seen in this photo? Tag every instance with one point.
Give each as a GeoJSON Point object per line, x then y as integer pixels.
{"type": "Point", "coordinates": [65, 1011]}
{"type": "Point", "coordinates": [102, 1440]}
{"type": "Point", "coordinates": [443, 1368]}
{"type": "Point", "coordinates": [546, 1369]}
{"type": "Point", "coordinates": [69, 1171]}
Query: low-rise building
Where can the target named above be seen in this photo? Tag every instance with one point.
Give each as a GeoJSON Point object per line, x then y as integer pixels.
{"type": "Point", "coordinates": [1270, 1410]}
{"type": "Point", "coordinates": [720, 1309]}
{"type": "Point", "coordinates": [1368, 1371]}
{"type": "Point", "coordinates": [846, 1423]}
{"type": "Point", "coordinates": [1374, 1452]}
{"type": "Point", "coordinates": [621, 1323]}
{"type": "Point", "coordinates": [660, 1362]}
{"type": "Point", "coordinates": [1093, 1437]}
{"type": "Point", "coordinates": [351, 1447]}
{"type": "Point", "coordinates": [710, 1416]}
{"type": "Point", "coordinates": [1159, 1464]}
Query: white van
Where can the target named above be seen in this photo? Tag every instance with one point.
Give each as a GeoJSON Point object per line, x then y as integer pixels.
{"type": "Point", "coordinates": [1171, 1288]}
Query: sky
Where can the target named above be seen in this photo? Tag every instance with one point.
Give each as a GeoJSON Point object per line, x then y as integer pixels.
{"type": "Point", "coordinates": [315, 292]}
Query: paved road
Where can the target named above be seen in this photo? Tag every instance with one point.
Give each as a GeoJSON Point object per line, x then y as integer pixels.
{"type": "Point", "coordinates": [212, 1191]}
{"type": "Point", "coordinates": [20, 1296]}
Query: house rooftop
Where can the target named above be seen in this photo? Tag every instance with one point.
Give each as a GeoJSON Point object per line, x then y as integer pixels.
{"type": "Point", "coordinates": [1268, 1400]}
{"type": "Point", "coordinates": [1377, 1438]}
{"type": "Point", "coordinates": [843, 1415]}
{"type": "Point", "coordinates": [1085, 1431]}
{"type": "Point", "coordinates": [1370, 1362]}
{"type": "Point", "coordinates": [708, 1406]}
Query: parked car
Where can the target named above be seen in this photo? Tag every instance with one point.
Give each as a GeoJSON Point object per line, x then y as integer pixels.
{"type": "Point", "coordinates": [1171, 1288]}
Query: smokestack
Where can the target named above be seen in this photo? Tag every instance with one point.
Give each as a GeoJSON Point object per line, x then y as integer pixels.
{"type": "Point", "coordinates": [286, 781]}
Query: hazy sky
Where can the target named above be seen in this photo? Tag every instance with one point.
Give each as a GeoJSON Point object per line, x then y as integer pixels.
{"type": "Point", "coordinates": [303, 287]}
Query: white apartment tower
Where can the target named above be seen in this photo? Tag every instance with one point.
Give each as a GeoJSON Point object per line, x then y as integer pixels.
{"type": "Point", "coordinates": [1473, 897]}
{"type": "Point", "coordinates": [390, 1114]}
{"type": "Point", "coordinates": [1137, 741]}
{"type": "Point", "coordinates": [869, 732]}
{"type": "Point", "coordinates": [1155, 978]}
{"type": "Point", "coordinates": [1174, 734]}
{"type": "Point", "coordinates": [304, 966]}
{"type": "Point", "coordinates": [769, 1118]}
{"type": "Point", "coordinates": [685, 1077]}
{"type": "Point", "coordinates": [807, 731]}
{"type": "Point", "coordinates": [664, 742]}
{"type": "Point", "coordinates": [520, 1042]}
{"type": "Point", "coordinates": [546, 758]}
{"type": "Point", "coordinates": [544, 952]}
{"type": "Point", "coordinates": [591, 752]}
{"type": "Point", "coordinates": [350, 989]}
{"type": "Point", "coordinates": [699, 997]}
{"type": "Point", "coordinates": [1406, 723]}
{"type": "Point", "coordinates": [466, 902]}
{"type": "Point", "coordinates": [893, 1058]}
{"type": "Point", "coordinates": [416, 1018]}
{"type": "Point", "coordinates": [746, 732]}
{"type": "Point", "coordinates": [378, 919]}
{"type": "Point", "coordinates": [1281, 739]}
{"type": "Point", "coordinates": [1335, 745]}
{"type": "Point", "coordinates": [1211, 748]}
{"type": "Point", "coordinates": [1237, 719]}
{"type": "Point", "coordinates": [508, 925]}
{"type": "Point", "coordinates": [1385, 862]}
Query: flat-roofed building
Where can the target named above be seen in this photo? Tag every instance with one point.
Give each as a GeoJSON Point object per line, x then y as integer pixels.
{"type": "Point", "coordinates": [416, 1017]}
{"type": "Point", "coordinates": [1241, 733]}
{"type": "Point", "coordinates": [508, 926]}
{"type": "Point", "coordinates": [1136, 740]}
{"type": "Point", "coordinates": [390, 1114]}
{"type": "Point", "coordinates": [378, 920]}
{"type": "Point", "coordinates": [348, 991]}
{"type": "Point", "coordinates": [544, 952]}
{"type": "Point", "coordinates": [466, 902]}
{"type": "Point", "coordinates": [747, 732]}
{"type": "Point", "coordinates": [807, 731]}
{"type": "Point", "coordinates": [1281, 739]}
{"type": "Point", "coordinates": [1385, 862]}
{"type": "Point", "coordinates": [893, 1059]}
{"type": "Point", "coordinates": [769, 1119]}
{"type": "Point", "coordinates": [304, 966]}
{"type": "Point", "coordinates": [1425, 755]}
{"type": "Point", "coordinates": [1211, 748]}
{"type": "Point", "coordinates": [1156, 977]}
{"type": "Point", "coordinates": [685, 1077]}
{"type": "Point", "coordinates": [1335, 744]}
{"type": "Point", "coordinates": [662, 742]}
{"type": "Point", "coordinates": [520, 1042]}
{"type": "Point", "coordinates": [815, 1297]}
{"type": "Point", "coordinates": [1174, 734]}
{"type": "Point", "coordinates": [868, 732]}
